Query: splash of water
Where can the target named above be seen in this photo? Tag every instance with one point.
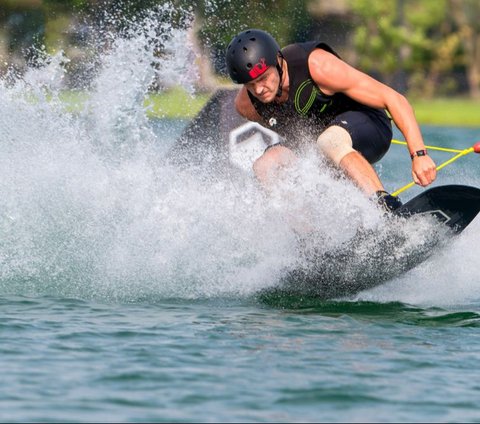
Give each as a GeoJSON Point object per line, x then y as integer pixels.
{"type": "Point", "coordinates": [91, 210]}
{"type": "Point", "coordinates": [449, 278]}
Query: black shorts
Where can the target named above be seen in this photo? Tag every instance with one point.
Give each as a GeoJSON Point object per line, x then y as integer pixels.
{"type": "Point", "coordinates": [371, 132]}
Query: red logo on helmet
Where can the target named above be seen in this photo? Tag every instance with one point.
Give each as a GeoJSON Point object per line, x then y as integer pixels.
{"type": "Point", "coordinates": [258, 69]}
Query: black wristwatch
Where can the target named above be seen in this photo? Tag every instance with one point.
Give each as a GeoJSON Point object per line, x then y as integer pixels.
{"type": "Point", "coordinates": [418, 153]}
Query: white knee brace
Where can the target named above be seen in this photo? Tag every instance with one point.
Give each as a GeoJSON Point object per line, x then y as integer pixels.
{"type": "Point", "coordinates": [335, 143]}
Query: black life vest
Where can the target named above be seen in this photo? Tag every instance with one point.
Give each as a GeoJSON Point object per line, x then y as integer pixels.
{"type": "Point", "coordinates": [307, 111]}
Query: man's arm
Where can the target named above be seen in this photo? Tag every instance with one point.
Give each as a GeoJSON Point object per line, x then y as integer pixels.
{"type": "Point", "coordinates": [244, 106]}
{"type": "Point", "coordinates": [269, 166]}
{"type": "Point", "coordinates": [333, 75]}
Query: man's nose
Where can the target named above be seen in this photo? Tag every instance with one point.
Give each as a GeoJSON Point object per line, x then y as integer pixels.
{"type": "Point", "coordinates": [258, 88]}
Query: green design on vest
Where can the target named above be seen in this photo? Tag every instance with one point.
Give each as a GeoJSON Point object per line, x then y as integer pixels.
{"type": "Point", "coordinates": [304, 110]}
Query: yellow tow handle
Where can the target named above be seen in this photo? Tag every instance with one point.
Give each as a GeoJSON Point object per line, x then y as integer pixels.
{"type": "Point", "coordinates": [475, 148]}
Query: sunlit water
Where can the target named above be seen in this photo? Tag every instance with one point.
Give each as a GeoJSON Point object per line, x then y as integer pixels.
{"type": "Point", "coordinates": [132, 290]}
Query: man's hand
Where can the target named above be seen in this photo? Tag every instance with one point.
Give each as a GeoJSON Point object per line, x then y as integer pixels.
{"type": "Point", "coordinates": [423, 170]}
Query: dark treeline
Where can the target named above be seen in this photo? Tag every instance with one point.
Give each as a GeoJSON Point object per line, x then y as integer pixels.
{"type": "Point", "coordinates": [427, 48]}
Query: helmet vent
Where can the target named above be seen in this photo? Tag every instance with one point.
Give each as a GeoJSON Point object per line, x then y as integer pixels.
{"type": "Point", "coordinates": [245, 49]}
{"type": "Point", "coordinates": [253, 39]}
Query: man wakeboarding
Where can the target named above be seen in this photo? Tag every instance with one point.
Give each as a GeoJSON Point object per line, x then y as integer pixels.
{"type": "Point", "coordinates": [306, 93]}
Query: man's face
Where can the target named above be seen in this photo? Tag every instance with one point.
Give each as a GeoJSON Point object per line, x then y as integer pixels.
{"type": "Point", "coordinates": [265, 87]}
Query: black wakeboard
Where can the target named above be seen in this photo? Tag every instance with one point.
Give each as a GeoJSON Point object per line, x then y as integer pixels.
{"type": "Point", "coordinates": [454, 205]}
{"type": "Point", "coordinates": [370, 259]}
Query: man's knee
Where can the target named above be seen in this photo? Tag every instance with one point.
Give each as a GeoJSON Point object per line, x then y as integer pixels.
{"type": "Point", "coordinates": [335, 143]}
{"type": "Point", "coordinates": [272, 162]}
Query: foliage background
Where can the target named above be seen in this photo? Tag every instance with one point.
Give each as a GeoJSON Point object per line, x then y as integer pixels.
{"type": "Point", "coordinates": [424, 48]}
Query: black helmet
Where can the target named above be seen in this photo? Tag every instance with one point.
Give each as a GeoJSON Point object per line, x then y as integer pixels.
{"type": "Point", "coordinates": [249, 55]}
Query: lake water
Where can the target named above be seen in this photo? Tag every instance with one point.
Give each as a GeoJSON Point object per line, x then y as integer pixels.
{"type": "Point", "coordinates": [78, 345]}
{"type": "Point", "coordinates": [134, 291]}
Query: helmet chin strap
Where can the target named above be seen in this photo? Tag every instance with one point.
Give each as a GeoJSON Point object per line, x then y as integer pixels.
{"type": "Point", "coordinates": [280, 74]}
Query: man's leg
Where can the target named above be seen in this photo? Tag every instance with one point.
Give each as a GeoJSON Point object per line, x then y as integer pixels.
{"type": "Point", "coordinates": [272, 163]}
{"type": "Point", "coordinates": [336, 144]}
{"type": "Point", "coordinates": [361, 172]}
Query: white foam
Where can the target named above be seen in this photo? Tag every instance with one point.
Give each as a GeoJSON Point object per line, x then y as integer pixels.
{"type": "Point", "coordinates": [448, 278]}
{"type": "Point", "coordinates": [89, 209]}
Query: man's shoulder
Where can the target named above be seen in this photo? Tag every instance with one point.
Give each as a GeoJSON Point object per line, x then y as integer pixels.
{"type": "Point", "coordinates": [299, 48]}
{"type": "Point", "coordinates": [244, 105]}
{"type": "Point", "coordinates": [300, 52]}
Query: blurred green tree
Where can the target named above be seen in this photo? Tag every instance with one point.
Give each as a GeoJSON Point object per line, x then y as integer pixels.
{"type": "Point", "coordinates": [219, 21]}
{"type": "Point", "coordinates": [419, 45]}
{"type": "Point", "coordinates": [466, 15]}
{"type": "Point", "coordinates": [21, 27]}
{"type": "Point", "coordinates": [407, 35]}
